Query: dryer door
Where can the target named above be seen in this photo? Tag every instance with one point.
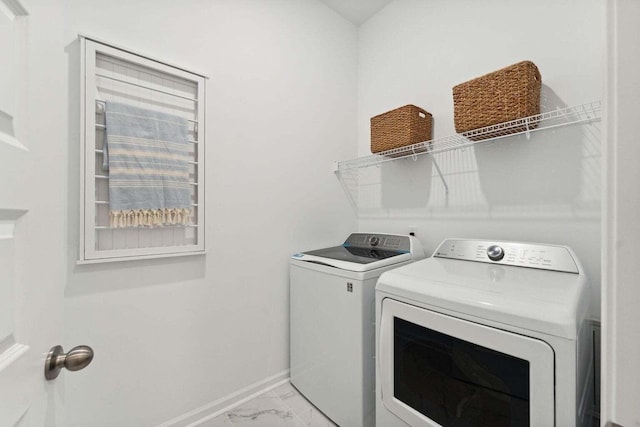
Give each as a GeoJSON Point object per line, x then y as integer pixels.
{"type": "Point", "coordinates": [437, 370]}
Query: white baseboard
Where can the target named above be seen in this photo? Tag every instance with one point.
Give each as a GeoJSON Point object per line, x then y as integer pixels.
{"type": "Point", "coordinates": [211, 410]}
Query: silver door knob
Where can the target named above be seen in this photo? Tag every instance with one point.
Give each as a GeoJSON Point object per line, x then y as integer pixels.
{"type": "Point", "coordinates": [77, 358]}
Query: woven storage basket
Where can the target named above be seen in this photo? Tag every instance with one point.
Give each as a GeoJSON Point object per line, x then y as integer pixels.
{"type": "Point", "coordinates": [400, 127]}
{"type": "Point", "coordinates": [501, 96]}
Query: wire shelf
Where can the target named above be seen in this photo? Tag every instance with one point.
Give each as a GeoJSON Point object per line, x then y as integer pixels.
{"type": "Point", "coordinates": [404, 181]}
{"type": "Point", "coordinates": [561, 117]}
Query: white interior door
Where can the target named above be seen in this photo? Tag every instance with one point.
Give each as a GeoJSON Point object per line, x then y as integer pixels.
{"type": "Point", "coordinates": [30, 313]}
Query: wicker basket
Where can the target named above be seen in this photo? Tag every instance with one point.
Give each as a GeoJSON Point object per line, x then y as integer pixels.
{"type": "Point", "coordinates": [502, 96]}
{"type": "Point", "coordinates": [400, 127]}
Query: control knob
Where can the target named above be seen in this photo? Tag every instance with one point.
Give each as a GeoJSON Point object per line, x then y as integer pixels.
{"type": "Point", "coordinates": [495, 253]}
{"type": "Point", "coordinates": [374, 240]}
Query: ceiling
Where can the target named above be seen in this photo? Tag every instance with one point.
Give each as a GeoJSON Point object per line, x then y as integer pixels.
{"type": "Point", "coordinates": [356, 11]}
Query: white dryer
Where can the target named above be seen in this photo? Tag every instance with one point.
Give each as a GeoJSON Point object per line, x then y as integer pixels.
{"type": "Point", "coordinates": [332, 293]}
{"type": "Point", "coordinates": [484, 334]}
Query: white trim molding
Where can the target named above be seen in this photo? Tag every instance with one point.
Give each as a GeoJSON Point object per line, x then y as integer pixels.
{"type": "Point", "coordinates": [13, 9]}
{"type": "Point", "coordinates": [13, 353]}
{"type": "Point", "coordinates": [5, 138]}
{"type": "Point", "coordinates": [212, 410]}
{"type": "Point", "coordinates": [620, 232]}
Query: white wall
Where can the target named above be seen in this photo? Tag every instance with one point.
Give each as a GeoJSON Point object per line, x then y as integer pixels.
{"type": "Point", "coordinates": [174, 335]}
{"type": "Point", "coordinates": [546, 189]}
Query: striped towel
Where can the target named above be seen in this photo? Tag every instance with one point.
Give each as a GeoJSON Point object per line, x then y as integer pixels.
{"type": "Point", "coordinates": [147, 154]}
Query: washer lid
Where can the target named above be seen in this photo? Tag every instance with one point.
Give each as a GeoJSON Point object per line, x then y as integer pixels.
{"type": "Point", "coordinates": [364, 252]}
{"type": "Point", "coordinates": [546, 301]}
{"type": "Point", "coordinates": [353, 258]}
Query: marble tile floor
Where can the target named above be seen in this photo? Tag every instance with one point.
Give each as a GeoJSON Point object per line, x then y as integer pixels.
{"type": "Point", "coordinates": [282, 406]}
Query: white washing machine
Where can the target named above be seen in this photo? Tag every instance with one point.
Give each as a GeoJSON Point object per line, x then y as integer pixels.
{"type": "Point", "coordinates": [332, 293]}
{"type": "Point", "coordinates": [485, 334]}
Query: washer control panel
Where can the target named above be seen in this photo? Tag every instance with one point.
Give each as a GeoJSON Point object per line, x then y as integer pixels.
{"type": "Point", "coordinates": [545, 257]}
{"type": "Point", "coordinates": [390, 242]}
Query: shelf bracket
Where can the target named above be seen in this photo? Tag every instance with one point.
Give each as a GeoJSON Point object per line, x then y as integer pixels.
{"type": "Point", "coordinates": [444, 181]}
{"type": "Point", "coordinates": [335, 167]}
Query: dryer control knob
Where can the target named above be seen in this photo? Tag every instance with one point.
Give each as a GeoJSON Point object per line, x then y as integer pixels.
{"type": "Point", "coordinates": [495, 253]}
{"type": "Point", "coordinates": [374, 240]}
